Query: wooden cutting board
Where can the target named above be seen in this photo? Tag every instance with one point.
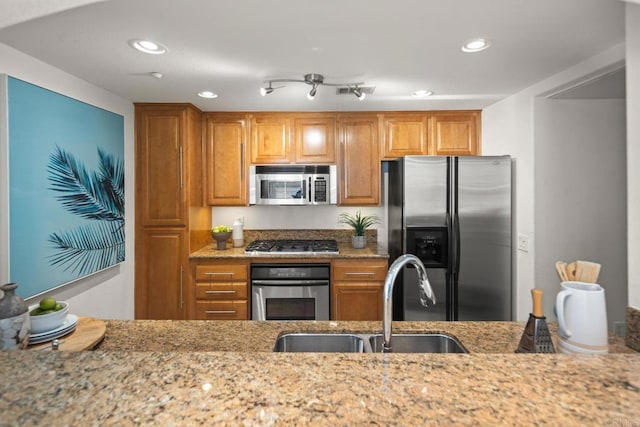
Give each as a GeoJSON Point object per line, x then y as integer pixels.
{"type": "Point", "coordinates": [88, 333]}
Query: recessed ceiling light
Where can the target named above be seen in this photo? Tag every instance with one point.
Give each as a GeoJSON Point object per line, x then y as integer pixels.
{"type": "Point", "coordinates": [421, 93]}
{"type": "Point", "coordinates": [147, 46]}
{"type": "Point", "coordinates": [476, 45]}
{"type": "Point", "coordinates": [208, 94]}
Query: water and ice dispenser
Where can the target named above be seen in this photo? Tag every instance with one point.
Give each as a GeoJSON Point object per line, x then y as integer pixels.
{"type": "Point", "coordinates": [430, 244]}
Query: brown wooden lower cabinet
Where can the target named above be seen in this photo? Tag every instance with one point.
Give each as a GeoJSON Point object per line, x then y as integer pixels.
{"type": "Point", "coordinates": [222, 310]}
{"type": "Point", "coordinates": [357, 301]}
{"type": "Point", "coordinates": [161, 279]}
{"type": "Point", "coordinates": [357, 289]}
{"type": "Point", "coordinates": [221, 289]}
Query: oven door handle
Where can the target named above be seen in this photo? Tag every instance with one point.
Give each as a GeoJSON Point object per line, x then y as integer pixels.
{"type": "Point", "coordinates": [291, 282]}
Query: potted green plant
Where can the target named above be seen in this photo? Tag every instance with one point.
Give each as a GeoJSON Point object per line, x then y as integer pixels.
{"type": "Point", "coordinates": [359, 223]}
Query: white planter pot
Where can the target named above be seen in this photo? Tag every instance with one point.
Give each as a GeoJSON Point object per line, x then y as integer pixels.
{"type": "Point", "coordinates": [358, 242]}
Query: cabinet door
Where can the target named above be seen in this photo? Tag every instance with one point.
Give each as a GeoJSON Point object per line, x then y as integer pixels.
{"type": "Point", "coordinates": [161, 274]}
{"type": "Point", "coordinates": [225, 142]}
{"type": "Point", "coordinates": [359, 160]}
{"type": "Point", "coordinates": [357, 289]}
{"type": "Point", "coordinates": [314, 137]}
{"type": "Point", "coordinates": [404, 134]}
{"type": "Point", "coordinates": [160, 199]}
{"type": "Point", "coordinates": [357, 301]}
{"type": "Point", "coordinates": [455, 133]}
{"type": "Point", "coordinates": [270, 139]}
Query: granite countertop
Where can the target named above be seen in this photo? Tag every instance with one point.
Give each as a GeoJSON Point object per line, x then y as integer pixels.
{"type": "Point", "coordinates": [345, 251]}
{"type": "Point", "coordinates": [343, 237]}
{"type": "Point", "coordinates": [254, 336]}
{"type": "Point", "coordinates": [224, 373]}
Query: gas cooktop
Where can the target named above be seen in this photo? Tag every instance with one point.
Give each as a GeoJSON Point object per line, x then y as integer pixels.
{"type": "Point", "coordinates": [280, 247]}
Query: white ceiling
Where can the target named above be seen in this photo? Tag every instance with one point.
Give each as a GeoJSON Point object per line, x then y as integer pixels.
{"type": "Point", "coordinates": [232, 46]}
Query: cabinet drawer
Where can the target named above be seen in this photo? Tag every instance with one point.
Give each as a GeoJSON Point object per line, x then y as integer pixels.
{"type": "Point", "coordinates": [221, 290]}
{"type": "Point", "coordinates": [221, 310]}
{"type": "Point", "coordinates": [361, 271]}
{"type": "Point", "coordinates": [222, 272]}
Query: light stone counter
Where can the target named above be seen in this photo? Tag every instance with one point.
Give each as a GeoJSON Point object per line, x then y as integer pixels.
{"type": "Point", "coordinates": [223, 373]}
{"type": "Point", "coordinates": [345, 251]}
{"type": "Point", "coordinates": [343, 237]}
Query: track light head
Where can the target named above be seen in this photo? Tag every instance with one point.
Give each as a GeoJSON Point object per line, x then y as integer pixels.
{"type": "Point", "coordinates": [312, 93]}
{"type": "Point", "coordinates": [359, 93]}
{"type": "Point", "coordinates": [266, 90]}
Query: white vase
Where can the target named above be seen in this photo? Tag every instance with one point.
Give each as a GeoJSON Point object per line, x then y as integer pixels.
{"type": "Point", "coordinates": [358, 242]}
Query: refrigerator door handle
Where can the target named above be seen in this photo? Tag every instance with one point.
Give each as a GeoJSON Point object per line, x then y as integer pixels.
{"type": "Point", "coordinates": [453, 212]}
{"type": "Point", "coordinates": [457, 250]}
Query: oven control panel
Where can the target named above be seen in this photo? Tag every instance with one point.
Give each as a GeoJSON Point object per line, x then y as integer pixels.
{"type": "Point", "coordinates": [290, 271]}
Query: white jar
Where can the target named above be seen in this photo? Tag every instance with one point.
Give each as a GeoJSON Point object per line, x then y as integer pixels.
{"type": "Point", "coordinates": [238, 240]}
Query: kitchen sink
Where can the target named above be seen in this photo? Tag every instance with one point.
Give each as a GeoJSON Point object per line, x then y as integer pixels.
{"type": "Point", "coordinates": [419, 343]}
{"type": "Point", "coordinates": [320, 343]}
{"type": "Point", "coordinates": [366, 343]}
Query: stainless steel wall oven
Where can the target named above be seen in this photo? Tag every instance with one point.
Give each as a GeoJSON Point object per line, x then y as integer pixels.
{"type": "Point", "coordinates": [290, 291]}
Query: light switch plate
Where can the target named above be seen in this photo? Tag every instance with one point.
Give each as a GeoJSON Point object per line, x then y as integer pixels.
{"type": "Point", "coordinates": [523, 242]}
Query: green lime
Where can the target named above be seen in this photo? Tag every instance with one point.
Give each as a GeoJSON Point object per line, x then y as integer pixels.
{"type": "Point", "coordinates": [48, 303]}
{"type": "Point", "coordinates": [36, 311]}
{"type": "Point", "coordinates": [58, 307]}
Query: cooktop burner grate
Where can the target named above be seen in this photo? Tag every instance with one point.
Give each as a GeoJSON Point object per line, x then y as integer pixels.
{"type": "Point", "coordinates": [293, 246]}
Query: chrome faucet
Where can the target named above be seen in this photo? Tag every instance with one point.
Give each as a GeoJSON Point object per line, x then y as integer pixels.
{"type": "Point", "coordinates": [426, 293]}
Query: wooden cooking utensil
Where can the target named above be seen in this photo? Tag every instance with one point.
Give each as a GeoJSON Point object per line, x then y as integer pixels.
{"type": "Point", "coordinates": [561, 268]}
{"type": "Point", "coordinates": [587, 271]}
{"type": "Point", "coordinates": [571, 271]}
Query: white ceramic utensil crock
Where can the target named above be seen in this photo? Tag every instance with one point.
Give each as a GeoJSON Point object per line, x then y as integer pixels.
{"type": "Point", "coordinates": [582, 318]}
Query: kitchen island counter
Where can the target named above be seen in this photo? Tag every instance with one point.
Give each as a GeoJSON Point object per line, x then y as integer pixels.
{"type": "Point", "coordinates": [206, 372]}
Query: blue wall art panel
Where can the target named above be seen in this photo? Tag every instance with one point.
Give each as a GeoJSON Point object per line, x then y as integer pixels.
{"type": "Point", "coordinates": [66, 188]}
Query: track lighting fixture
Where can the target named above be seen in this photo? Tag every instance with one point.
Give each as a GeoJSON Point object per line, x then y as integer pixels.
{"type": "Point", "coordinates": [316, 80]}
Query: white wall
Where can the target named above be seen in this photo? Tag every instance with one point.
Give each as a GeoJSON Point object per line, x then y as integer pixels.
{"type": "Point", "coordinates": [580, 195]}
{"type": "Point", "coordinates": [633, 149]}
{"type": "Point", "coordinates": [109, 294]}
{"type": "Point", "coordinates": [507, 128]}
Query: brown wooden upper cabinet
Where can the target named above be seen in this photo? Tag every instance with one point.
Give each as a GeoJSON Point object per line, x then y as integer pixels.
{"type": "Point", "coordinates": [225, 140]}
{"type": "Point", "coordinates": [270, 138]}
{"type": "Point", "coordinates": [454, 133]}
{"type": "Point", "coordinates": [359, 159]}
{"type": "Point", "coordinates": [303, 138]}
{"type": "Point", "coordinates": [161, 195]}
{"type": "Point", "coordinates": [404, 134]}
{"type": "Point", "coordinates": [315, 138]}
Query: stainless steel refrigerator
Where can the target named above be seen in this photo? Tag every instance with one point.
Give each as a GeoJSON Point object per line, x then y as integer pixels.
{"type": "Point", "coordinates": [454, 213]}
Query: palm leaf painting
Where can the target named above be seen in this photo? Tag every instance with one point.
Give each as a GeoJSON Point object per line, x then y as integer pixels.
{"type": "Point", "coordinates": [96, 196]}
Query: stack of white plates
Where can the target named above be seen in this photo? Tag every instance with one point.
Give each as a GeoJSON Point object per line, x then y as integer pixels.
{"type": "Point", "coordinates": [68, 326]}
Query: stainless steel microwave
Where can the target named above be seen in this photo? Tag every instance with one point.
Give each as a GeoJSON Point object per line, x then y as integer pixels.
{"type": "Point", "coordinates": [293, 185]}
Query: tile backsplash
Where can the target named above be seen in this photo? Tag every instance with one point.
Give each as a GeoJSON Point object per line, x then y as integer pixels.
{"type": "Point", "coordinates": [342, 236]}
{"type": "Point", "coordinates": [632, 339]}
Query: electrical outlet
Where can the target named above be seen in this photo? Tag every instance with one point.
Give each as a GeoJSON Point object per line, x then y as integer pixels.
{"type": "Point", "coordinates": [620, 329]}
{"type": "Point", "coordinates": [523, 242]}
